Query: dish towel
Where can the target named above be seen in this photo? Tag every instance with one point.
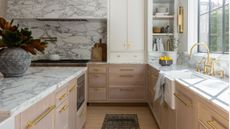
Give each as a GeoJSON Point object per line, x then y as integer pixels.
{"type": "Point", "coordinates": [160, 88]}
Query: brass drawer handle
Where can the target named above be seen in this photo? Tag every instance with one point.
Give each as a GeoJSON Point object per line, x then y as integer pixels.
{"type": "Point", "coordinates": [183, 101]}
{"type": "Point", "coordinates": [62, 97]}
{"type": "Point", "coordinates": [126, 69]}
{"type": "Point", "coordinates": [128, 76]}
{"type": "Point", "coordinates": [211, 124]}
{"type": "Point", "coordinates": [30, 124]}
{"type": "Point", "coordinates": [96, 70]}
{"type": "Point", "coordinates": [131, 89]}
{"type": "Point", "coordinates": [73, 88]}
{"type": "Point", "coordinates": [63, 108]}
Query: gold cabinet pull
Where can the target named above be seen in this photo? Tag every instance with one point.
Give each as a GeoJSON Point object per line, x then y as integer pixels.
{"type": "Point", "coordinates": [73, 88]}
{"type": "Point", "coordinates": [128, 76]}
{"type": "Point", "coordinates": [211, 124]}
{"type": "Point", "coordinates": [63, 96]}
{"type": "Point", "coordinates": [130, 89]}
{"type": "Point", "coordinates": [63, 108]}
{"type": "Point", "coordinates": [183, 101]}
{"type": "Point", "coordinates": [126, 69]}
{"type": "Point", "coordinates": [30, 124]}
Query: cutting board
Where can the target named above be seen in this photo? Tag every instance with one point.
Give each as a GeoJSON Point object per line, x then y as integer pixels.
{"type": "Point", "coordinates": [97, 53]}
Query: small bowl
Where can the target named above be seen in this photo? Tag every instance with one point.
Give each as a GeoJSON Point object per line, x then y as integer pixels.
{"type": "Point", "coordinates": [165, 62]}
{"type": "Point", "coordinates": [54, 57]}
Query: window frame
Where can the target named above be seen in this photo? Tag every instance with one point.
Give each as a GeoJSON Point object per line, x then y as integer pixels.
{"type": "Point", "coordinates": [210, 10]}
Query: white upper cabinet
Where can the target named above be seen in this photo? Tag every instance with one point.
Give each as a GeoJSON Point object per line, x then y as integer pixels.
{"type": "Point", "coordinates": [118, 25]}
{"type": "Point", "coordinates": [126, 31]}
{"type": "Point", "coordinates": [126, 25]}
{"type": "Point", "coordinates": [136, 24]}
{"type": "Point", "coordinates": [57, 9]}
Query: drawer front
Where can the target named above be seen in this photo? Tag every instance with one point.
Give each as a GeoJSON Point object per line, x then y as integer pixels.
{"type": "Point", "coordinates": [97, 94]}
{"type": "Point", "coordinates": [126, 79]}
{"type": "Point", "coordinates": [129, 93]}
{"type": "Point", "coordinates": [62, 115]}
{"type": "Point", "coordinates": [97, 68]}
{"type": "Point", "coordinates": [211, 119]}
{"type": "Point", "coordinates": [97, 80]}
{"type": "Point", "coordinates": [61, 95]}
{"type": "Point", "coordinates": [127, 69]}
{"type": "Point", "coordinates": [126, 57]}
{"type": "Point", "coordinates": [40, 115]}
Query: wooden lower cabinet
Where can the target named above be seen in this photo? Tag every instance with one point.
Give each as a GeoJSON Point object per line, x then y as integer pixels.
{"type": "Point", "coordinates": [208, 118]}
{"type": "Point", "coordinates": [126, 93]}
{"type": "Point", "coordinates": [62, 116]}
{"type": "Point", "coordinates": [97, 94]}
{"type": "Point", "coordinates": [127, 83]}
{"type": "Point", "coordinates": [116, 83]}
{"type": "Point", "coordinates": [97, 81]}
{"type": "Point", "coordinates": [40, 116]}
{"type": "Point", "coordinates": [72, 89]}
{"type": "Point", "coordinates": [185, 108]}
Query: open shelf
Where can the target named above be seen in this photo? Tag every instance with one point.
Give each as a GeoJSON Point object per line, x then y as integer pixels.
{"type": "Point", "coordinates": [162, 34]}
{"type": "Point", "coordinates": [163, 17]}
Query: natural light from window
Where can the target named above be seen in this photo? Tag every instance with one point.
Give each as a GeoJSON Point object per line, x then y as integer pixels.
{"type": "Point", "coordinates": [214, 25]}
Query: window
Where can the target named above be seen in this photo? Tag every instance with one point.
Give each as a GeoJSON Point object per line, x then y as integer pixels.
{"type": "Point", "coordinates": [214, 25]}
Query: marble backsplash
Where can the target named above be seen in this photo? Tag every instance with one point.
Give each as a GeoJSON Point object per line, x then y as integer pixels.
{"type": "Point", "coordinates": [57, 9]}
{"type": "Point", "coordinates": [74, 38]}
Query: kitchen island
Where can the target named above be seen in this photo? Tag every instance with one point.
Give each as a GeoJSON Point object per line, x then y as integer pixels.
{"type": "Point", "coordinates": [19, 94]}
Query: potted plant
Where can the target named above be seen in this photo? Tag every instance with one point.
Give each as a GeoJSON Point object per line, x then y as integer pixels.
{"type": "Point", "coordinates": [15, 48]}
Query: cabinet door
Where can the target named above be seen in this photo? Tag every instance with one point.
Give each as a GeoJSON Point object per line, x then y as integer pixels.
{"type": "Point", "coordinates": [40, 115]}
{"type": "Point", "coordinates": [62, 115]}
{"type": "Point", "coordinates": [136, 16]}
{"type": "Point", "coordinates": [118, 25]}
{"type": "Point", "coordinates": [184, 113]}
{"type": "Point", "coordinates": [72, 106]}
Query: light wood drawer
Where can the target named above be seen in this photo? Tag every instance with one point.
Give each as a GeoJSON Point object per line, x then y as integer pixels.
{"type": "Point", "coordinates": [62, 115]}
{"type": "Point", "coordinates": [127, 69]}
{"type": "Point", "coordinates": [128, 93]}
{"type": "Point", "coordinates": [97, 68]}
{"type": "Point", "coordinates": [97, 94]}
{"type": "Point", "coordinates": [39, 114]}
{"type": "Point", "coordinates": [61, 95]}
{"type": "Point", "coordinates": [97, 80]}
{"type": "Point", "coordinates": [211, 119]}
{"type": "Point", "coordinates": [126, 79]}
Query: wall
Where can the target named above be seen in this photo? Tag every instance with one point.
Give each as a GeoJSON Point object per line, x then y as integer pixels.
{"type": "Point", "coordinates": [3, 7]}
{"type": "Point", "coordinates": [74, 38]}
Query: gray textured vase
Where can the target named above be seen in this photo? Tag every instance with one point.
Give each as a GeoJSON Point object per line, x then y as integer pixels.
{"type": "Point", "coordinates": [14, 62]}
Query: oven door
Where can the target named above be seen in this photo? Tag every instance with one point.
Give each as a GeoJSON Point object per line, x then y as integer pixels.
{"type": "Point", "coordinates": [80, 91]}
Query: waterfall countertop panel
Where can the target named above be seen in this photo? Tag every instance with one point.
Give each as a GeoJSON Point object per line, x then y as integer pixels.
{"type": "Point", "coordinates": [17, 94]}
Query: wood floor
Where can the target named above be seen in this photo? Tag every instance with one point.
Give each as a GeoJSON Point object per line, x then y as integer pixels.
{"type": "Point", "coordinates": [96, 114]}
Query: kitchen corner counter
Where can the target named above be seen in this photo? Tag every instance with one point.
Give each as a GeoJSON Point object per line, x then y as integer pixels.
{"type": "Point", "coordinates": [17, 94]}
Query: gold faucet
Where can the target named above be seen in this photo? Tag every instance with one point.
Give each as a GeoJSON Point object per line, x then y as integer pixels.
{"type": "Point", "coordinates": [209, 63]}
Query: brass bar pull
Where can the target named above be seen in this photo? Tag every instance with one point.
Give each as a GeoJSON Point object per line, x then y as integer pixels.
{"type": "Point", "coordinates": [96, 70]}
{"type": "Point", "coordinates": [63, 108]}
{"type": "Point", "coordinates": [178, 96]}
{"type": "Point", "coordinates": [131, 89]}
{"type": "Point", "coordinates": [129, 76]}
{"type": "Point", "coordinates": [72, 88]}
{"type": "Point", "coordinates": [126, 69]}
{"type": "Point", "coordinates": [63, 96]}
{"type": "Point", "coordinates": [211, 124]}
{"type": "Point", "coordinates": [30, 124]}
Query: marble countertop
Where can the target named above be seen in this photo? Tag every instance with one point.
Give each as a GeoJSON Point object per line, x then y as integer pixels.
{"type": "Point", "coordinates": [212, 89]}
{"type": "Point", "coordinates": [17, 94]}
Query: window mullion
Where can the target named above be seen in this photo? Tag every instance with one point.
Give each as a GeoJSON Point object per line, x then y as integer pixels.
{"type": "Point", "coordinates": [209, 24]}
{"type": "Point", "coordinates": [223, 27]}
